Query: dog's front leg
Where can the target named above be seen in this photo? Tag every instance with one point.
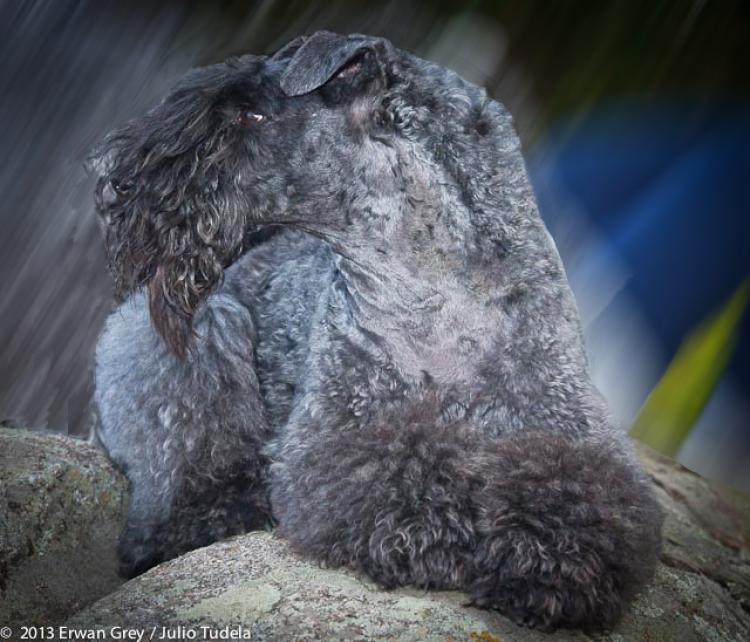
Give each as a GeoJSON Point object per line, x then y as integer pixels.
{"type": "Point", "coordinates": [387, 495]}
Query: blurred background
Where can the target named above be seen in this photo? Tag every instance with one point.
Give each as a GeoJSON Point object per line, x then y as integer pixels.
{"type": "Point", "coordinates": [635, 122]}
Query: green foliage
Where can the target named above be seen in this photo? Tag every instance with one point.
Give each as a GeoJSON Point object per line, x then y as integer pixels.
{"type": "Point", "coordinates": [676, 402]}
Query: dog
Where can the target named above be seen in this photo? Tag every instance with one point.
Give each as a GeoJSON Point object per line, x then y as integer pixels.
{"type": "Point", "coordinates": [340, 312]}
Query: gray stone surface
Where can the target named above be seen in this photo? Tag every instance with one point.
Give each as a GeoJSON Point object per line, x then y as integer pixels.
{"type": "Point", "coordinates": [61, 511]}
{"type": "Point", "coordinates": [700, 592]}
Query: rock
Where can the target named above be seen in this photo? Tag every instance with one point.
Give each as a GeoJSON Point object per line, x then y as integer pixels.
{"type": "Point", "coordinates": [259, 589]}
{"type": "Point", "coordinates": [62, 508]}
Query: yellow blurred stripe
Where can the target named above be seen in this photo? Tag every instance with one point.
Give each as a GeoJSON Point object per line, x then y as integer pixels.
{"type": "Point", "coordinates": [677, 400]}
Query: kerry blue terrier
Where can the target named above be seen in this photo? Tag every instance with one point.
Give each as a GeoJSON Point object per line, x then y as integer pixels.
{"type": "Point", "coordinates": [340, 310]}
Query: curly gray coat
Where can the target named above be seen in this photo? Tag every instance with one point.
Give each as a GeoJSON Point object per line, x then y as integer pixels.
{"type": "Point", "coordinates": [341, 311]}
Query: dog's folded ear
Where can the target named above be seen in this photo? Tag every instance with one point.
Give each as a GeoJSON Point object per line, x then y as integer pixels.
{"type": "Point", "coordinates": [320, 56]}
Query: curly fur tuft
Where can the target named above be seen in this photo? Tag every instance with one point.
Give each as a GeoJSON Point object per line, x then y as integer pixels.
{"type": "Point", "coordinates": [547, 529]}
{"type": "Point", "coordinates": [567, 531]}
{"type": "Point", "coordinates": [392, 500]}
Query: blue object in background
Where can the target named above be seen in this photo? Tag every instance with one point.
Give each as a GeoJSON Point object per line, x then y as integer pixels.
{"type": "Point", "coordinates": [666, 187]}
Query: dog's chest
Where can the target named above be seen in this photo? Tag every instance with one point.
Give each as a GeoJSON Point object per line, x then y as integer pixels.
{"type": "Point", "coordinates": [445, 343]}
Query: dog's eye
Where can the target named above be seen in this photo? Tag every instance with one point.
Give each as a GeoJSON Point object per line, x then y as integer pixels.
{"type": "Point", "coordinates": [122, 187]}
{"type": "Point", "coordinates": [250, 118]}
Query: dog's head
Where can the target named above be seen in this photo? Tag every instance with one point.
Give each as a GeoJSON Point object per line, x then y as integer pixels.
{"type": "Point", "coordinates": [345, 137]}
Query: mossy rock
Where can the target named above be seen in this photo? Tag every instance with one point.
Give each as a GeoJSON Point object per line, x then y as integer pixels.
{"type": "Point", "coordinates": [62, 508]}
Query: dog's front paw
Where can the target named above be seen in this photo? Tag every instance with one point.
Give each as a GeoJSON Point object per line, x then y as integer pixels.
{"type": "Point", "coordinates": [568, 531]}
{"type": "Point", "coordinates": [543, 588]}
